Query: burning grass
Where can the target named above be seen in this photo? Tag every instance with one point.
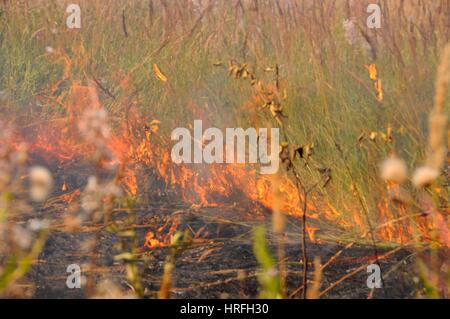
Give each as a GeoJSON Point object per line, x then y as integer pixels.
{"type": "Point", "coordinates": [96, 107]}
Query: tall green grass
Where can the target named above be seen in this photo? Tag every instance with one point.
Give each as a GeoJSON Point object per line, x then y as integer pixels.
{"type": "Point", "coordinates": [326, 82]}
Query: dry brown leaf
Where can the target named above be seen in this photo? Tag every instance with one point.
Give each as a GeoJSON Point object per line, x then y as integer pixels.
{"type": "Point", "coordinates": [159, 74]}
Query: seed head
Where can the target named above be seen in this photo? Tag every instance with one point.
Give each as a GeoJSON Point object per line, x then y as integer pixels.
{"type": "Point", "coordinates": [41, 183]}
{"type": "Point", "coordinates": [394, 170]}
{"type": "Point", "coordinates": [424, 176]}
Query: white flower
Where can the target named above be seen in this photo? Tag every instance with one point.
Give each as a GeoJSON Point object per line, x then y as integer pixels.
{"type": "Point", "coordinates": [97, 193]}
{"type": "Point", "coordinates": [394, 170]}
{"type": "Point", "coordinates": [94, 126]}
{"type": "Point", "coordinates": [91, 200]}
{"type": "Point", "coordinates": [49, 49]}
{"type": "Point", "coordinates": [41, 183]}
{"type": "Point", "coordinates": [424, 176]}
{"type": "Point", "coordinates": [22, 237]}
{"type": "Point", "coordinates": [37, 224]}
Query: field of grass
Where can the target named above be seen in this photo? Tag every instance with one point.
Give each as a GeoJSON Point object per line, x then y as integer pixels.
{"type": "Point", "coordinates": [173, 61]}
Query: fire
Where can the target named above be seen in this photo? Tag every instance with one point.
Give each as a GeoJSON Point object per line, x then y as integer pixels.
{"type": "Point", "coordinates": [372, 68]}
{"type": "Point", "coordinates": [162, 237]}
{"type": "Point", "coordinates": [137, 148]}
{"type": "Point", "coordinates": [151, 242]}
{"type": "Point", "coordinates": [311, 231]}
{"type": "Point", "coordinates": [373, 75]}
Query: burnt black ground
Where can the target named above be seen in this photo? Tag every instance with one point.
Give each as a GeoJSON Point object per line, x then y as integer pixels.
{"type": "Point", "coordinates": [219, 265]}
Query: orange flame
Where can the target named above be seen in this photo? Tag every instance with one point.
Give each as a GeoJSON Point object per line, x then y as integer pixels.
{"type": "Point", "coordinates": [137, 144]}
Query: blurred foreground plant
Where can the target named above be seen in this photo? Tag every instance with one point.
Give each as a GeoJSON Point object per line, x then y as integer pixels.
{"type": "Point", "coordinates": [431, 197]}
{"type": "Point", "coordinates": [269, 276]}
{"type": "Point", "coordinates": [20, 243]}
{"type": "Point", "coordinates": [180, 242]}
